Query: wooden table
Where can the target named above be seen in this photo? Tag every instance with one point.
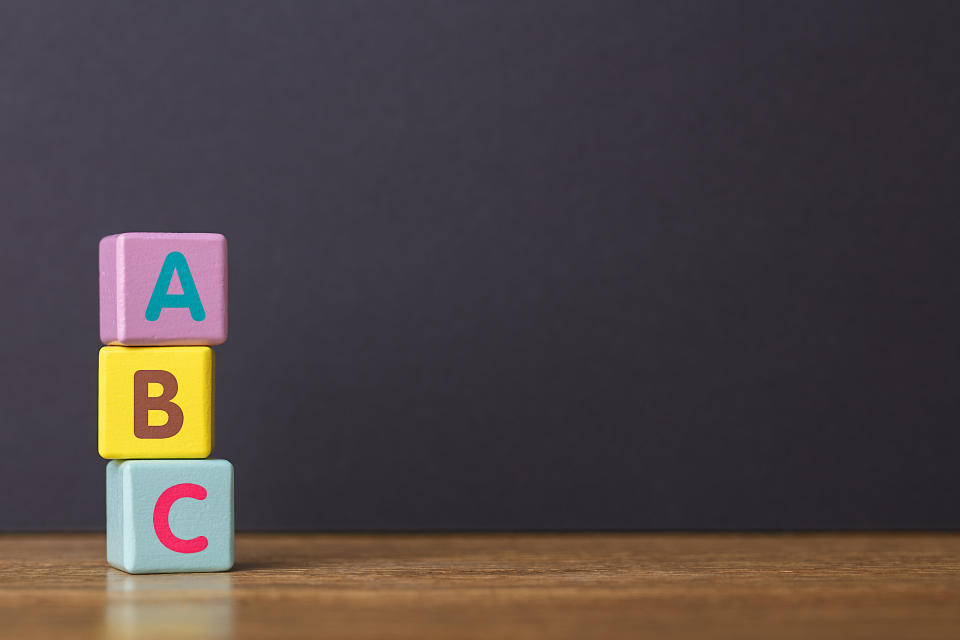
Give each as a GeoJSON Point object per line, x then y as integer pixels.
{"type": "Point", "coordinates": [497, 586]}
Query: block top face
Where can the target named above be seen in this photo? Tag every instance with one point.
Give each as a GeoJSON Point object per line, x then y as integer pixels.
{"type": "Point", "coordinates": [163, 289]}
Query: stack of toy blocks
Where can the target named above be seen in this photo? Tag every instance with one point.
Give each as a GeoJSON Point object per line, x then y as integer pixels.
{"type": "Point", "coordinates": [163, 301]}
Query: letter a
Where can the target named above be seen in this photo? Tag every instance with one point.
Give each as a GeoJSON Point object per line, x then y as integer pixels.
{"type": "Point", "coordinates": [160, 299]}
{"type": "Point", "coordinates": [143, 403]}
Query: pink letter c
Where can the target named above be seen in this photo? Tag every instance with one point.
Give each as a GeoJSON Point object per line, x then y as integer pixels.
{"type": "Point", "coordinates": [161, 518]}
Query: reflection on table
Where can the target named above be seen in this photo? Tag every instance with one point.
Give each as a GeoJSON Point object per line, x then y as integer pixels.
{"type": "Point", "coordinates": [188, 605]}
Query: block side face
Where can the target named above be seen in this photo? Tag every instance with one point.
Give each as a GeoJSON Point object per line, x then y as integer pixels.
{"type": "Point", "coordinates": [191, 370]}
{"type": "Point", "coordinates": [108, 290]}
{"type": "Point", "coordinates": [213, 404]}
{"type": "Point", "coordinates": [224, 273]}
{"type": "Point", "coordinates": [171, 267]}
{"type": "Point", "coordinates": [114, 515]}
{"type": "Point", "coordinates": [183, 520]}
{"type": "Point", "coordinates": [228, 557]}
{"type": "Point", "coordinates": [128, 504]}
{"type": "Point", "coordinates": [102, 447]}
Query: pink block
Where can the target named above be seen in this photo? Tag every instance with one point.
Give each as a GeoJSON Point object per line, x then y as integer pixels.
{"type": "Point", "coordinates": [130, 266]}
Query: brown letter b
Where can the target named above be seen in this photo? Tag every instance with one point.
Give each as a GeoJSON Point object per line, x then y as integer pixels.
{"type": "Point", "coordinates": [143, 404]}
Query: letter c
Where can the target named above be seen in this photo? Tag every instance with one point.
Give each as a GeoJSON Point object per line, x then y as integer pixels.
{"type": "Point", "coordinates": [161, 518]}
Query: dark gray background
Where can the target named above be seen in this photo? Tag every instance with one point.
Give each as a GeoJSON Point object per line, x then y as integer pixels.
{"type": "Point", "coordinates": [505, 264]}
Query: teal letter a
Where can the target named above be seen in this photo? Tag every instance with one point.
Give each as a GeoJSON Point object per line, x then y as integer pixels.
{"type": "Point", "coordinates": [189, 298]}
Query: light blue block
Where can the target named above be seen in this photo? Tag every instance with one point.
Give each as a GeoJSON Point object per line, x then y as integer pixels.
{"type": "Point", "coordinates": [198, 496]}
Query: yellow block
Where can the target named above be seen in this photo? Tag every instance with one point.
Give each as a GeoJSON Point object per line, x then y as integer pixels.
{"type": "Point", "coordinates": [156, 402]}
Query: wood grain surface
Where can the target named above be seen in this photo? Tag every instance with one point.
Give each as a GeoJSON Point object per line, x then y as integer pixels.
{"type": "Point", "coordinates": [497, 585]}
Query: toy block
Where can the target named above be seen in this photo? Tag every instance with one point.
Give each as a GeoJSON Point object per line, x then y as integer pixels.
{"type": "Point", "coordinates": [156, 402]}
{"type": "Point", "coordinates": [163, 289]}
{"type": "Point", "coordinates": [169, 516]}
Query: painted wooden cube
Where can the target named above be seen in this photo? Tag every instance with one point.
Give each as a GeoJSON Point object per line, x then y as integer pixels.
{"type": "Point", "coordinates": [156, 402]}
{"type": "Point", "coordinates": [170, 516]}
{"type": "Point", "coordinates": [163, 289]}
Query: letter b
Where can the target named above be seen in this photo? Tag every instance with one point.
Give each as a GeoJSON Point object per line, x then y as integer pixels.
{"type": "Point", "coordinates": [144, 403]}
